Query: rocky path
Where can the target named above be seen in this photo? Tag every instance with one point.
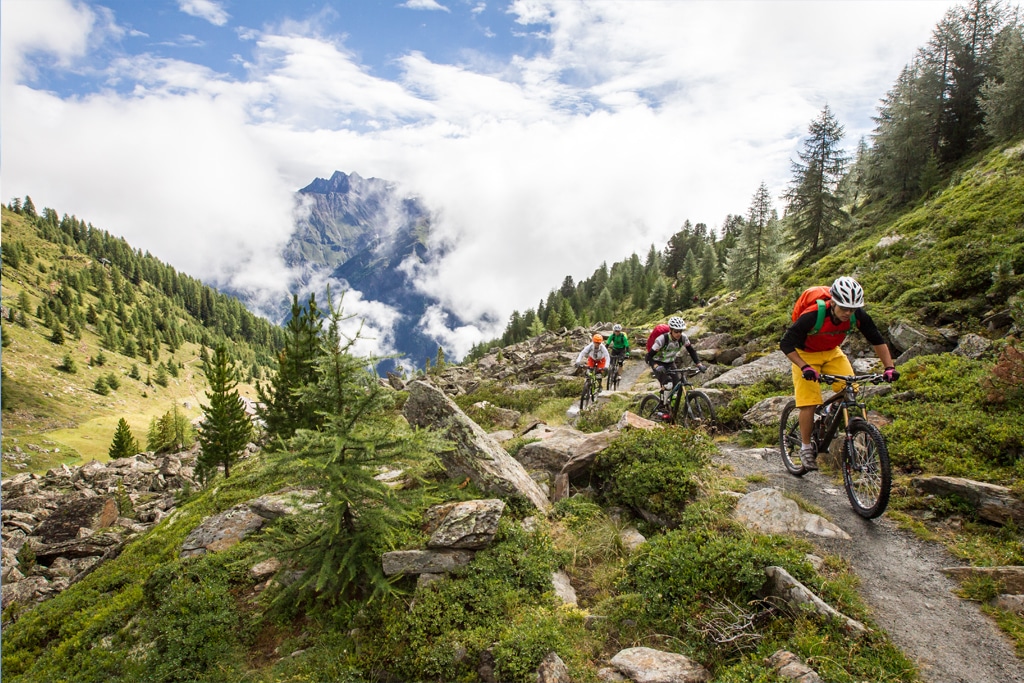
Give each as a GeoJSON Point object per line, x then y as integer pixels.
{"type": "Point", "coordinates": [949, 638]}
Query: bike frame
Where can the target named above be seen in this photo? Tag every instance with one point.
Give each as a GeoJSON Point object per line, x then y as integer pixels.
{"type": "Point", "coordinates": [678, 393]}
{"type": "Point", "coordinates": [845, 401]}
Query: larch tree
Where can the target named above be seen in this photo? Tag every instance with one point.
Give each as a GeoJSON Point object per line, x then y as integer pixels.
{"type": "Point", "coordinates": [284, 407]}
{"type": "Point", "coordinates": [757, 252]}
{"type": "Point", "coordinates": [338, 540]}
{"type": "Point", "coordinates": [814, 212]}
{"type": "Point", "coordinates": [225, 429]}
{"type": "Point", "coordinates": [1002, 97]}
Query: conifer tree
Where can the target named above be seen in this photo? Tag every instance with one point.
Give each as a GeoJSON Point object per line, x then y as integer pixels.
{"type": "Point", "coordinates": [708, 269]}
{"type": "Point", "coordinates": [170, 432]}
{"type": "Point", "coordinates": [814, 211]}
{"type": "Point", "coordinates": [284, 408]}
{"type": "Point", "coordinates": [124, 444]}
{"type": "Point", "coordinates": [567, 315]}
{"type": "Point", "coordinates": [658, 294]}
{"type": "Point", "coordinates": [225, 429]}
{"type": "Point", "coordinates": [56, 333]}
{"type": "Point", "coordinates": [757, 252]}
{"type": "Point", "coordinates": [1002, 96]}
{"type": "Point", "coordinates": [339, 542]}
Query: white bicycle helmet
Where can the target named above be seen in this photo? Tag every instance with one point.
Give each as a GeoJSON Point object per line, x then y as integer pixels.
{"type": "Point", "coordinates": [616, 328]}
{"type": "Point", "coordinates": [847, 292]}
{"type": "Point", "coordinates": [676, 323]}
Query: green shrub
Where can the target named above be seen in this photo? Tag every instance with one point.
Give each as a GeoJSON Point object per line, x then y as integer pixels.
{"type": "Point", "coordinates": [454, 620]}
{"type": "Point", "coordinates": [531, 637]}
{"type": "Point", "coordinates": [682, 576]}
{"type": "Point", "coordinates": [944, 423]}
{"type": "Point", "coordinates": [576, 512]}
{"type": "Point", "coordinates": [658, 471]}
{"type": "Point", "coordinates": [193, 620]}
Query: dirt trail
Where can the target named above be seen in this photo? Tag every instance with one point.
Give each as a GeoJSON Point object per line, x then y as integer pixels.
{"type": "Point", "coordinates": [949, 638]}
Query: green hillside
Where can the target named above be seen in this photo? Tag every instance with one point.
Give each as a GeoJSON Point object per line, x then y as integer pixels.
{"type": "Point", "coordinates": [150, 615]}
{"type": "Point", "coordinates": [122, 314]}
{"type": "Point", "coordinates": [930, 218]}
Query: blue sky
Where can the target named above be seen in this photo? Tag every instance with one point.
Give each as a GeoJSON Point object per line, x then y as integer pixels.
{"type": "Point", "coordinates": [547, 135]}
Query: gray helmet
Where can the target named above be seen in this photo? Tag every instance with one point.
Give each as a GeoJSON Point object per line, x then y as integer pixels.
{"type": "Point", "coordinates": [616, 328]}
{"type": "Point", "coordinates": [676, 323]}
{"type": "Point", "coordinates": [847, 292]}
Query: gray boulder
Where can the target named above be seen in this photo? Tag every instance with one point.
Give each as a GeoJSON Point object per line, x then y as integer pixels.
{"type": "Point", "coordinates": [475, 454]}
{"type": "Point", "coordinates": [469, 525]}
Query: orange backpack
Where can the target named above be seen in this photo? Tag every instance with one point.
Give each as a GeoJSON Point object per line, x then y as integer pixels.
{"type": "Point", "coordinates": [815, 296]}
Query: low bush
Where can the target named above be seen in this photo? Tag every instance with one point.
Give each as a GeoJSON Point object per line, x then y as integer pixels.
{"type": "Point", "coordinates": [658, 471]}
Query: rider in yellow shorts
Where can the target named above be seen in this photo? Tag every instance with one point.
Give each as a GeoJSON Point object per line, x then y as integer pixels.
{"type": "Point", "coordinates": [816, 351]}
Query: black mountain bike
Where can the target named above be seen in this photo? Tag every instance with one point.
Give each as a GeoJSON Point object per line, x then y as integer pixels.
{"type": "Point", "coordinates": [867, 474]}
{"type": "Point", "coordinates": [681, 405]}
{"type": "Point", "coordinates": [615, 372]}
{"type": "Point", "coordinates": [591, 387]}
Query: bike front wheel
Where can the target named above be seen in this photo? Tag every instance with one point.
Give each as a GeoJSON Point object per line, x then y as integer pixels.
{"type": "Point", "coordinates": [867, 474]}
{"type": "Point", "coordinates": [586, 397]}
{"type": "Point", "coordinates": [698, 413]}
{"type": "Point", "coordinates": [649, 408]}
{"type": "Point", "coordinates": [613, 378]}
{"type": "Point", "coordinates": [789, 439]}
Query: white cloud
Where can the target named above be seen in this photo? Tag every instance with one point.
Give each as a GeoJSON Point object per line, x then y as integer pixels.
{"type": "Point", "coordinates": [205, 9]}
{"type": "Point", "coordinates": [635, 118]}
{"type": "Point", "coordinates": [424, 5]}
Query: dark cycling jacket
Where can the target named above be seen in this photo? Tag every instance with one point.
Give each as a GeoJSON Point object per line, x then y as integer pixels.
{"type": "Point", "coordinates": [830, 336]}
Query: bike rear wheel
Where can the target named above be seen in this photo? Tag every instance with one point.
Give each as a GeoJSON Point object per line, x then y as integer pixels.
{"type": "Point", "coordinates": [698, 413]}
{"type": "Point", "coordinates": [613, 376]}
{"type": "Point", "coordinates": [649, 407]}
{"type": "Point", "coordinates": [789, 439]}
{"type": "Point", "coordinates": [586, 397]}
{"type": "Point", "coordinates": [867, 475]}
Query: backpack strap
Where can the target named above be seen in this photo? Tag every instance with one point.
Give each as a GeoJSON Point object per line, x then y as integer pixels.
{"type": "Point", "coordinates": [821, 317]}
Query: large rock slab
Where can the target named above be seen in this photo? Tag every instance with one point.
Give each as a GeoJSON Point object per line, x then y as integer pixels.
{"type": "Point", "coordinates": [475, 454]}
{"type": "Point", "coordinates": [647, 665]}
{"type": "Point", "coordinates": [767, 412]}
{"type": "Point", "coordinates": [221, 531]}
{"type": "Point", "coordinates": [95, 512]}
{"type": "Point", "coordinates": [424, 561]}
{"type": "Point", "coordinates": [552, 452]}
{"type": "Point", "coordinates": [772, 365]}
{"type": "Point", "coordinates": [1010, 578]}
{"type": "Point", "coordinates": [993, 502]}
{"type": "Point", "coordinates": [781, 584]}
{"type": "Point", "coordinates": [469, 525]}
{"type": "Point", "coordinates": [769, 512]}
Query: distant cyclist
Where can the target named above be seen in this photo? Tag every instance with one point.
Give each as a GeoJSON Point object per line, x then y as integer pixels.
{"type": "Point", "coordinates": [618, 343]}
{"type": "Point", "coordinates": [594, 355]}
{"type": "Point", "coordinates": [814, 352]}
{"type": "Point", "coordinates": [667, 347]}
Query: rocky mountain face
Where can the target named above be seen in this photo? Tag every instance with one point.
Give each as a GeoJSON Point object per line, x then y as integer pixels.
{"type": "Point", "coordinates": [362, 234]}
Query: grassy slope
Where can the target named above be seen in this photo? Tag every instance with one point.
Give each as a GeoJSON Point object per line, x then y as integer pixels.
{"type": "Point", "coordinates": [58, 410]}
{"type": "Point", "coordinates": [60, 639]}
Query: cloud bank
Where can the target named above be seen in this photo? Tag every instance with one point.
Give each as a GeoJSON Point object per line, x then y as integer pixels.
{"type": "Point", "coordinates": [631, 119]}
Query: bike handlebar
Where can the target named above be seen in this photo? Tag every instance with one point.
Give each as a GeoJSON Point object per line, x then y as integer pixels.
{"type": "Point", "coordinates": [874, 378]}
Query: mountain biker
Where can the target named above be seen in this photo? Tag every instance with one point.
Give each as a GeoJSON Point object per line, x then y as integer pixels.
{"type": "Point", "coordinates": [665, 349]}
{"type": "Point", "coordinates": [815, 353]}
{"type": "Point", "coordinates": [596, 356]}
{"type": "Point", "coordinates": [618, 343]}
